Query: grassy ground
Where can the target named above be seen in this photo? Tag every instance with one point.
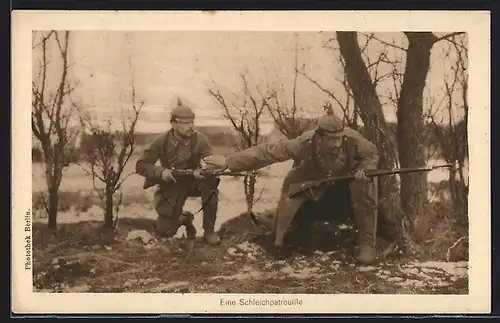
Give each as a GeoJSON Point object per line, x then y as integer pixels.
{"type": "Point", "coordinates": [83, 257]}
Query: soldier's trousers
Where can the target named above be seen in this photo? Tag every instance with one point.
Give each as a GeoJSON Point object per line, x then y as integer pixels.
{"type": "Point", "coordinates": [169, 202]}
{"type": "Point", "coordinates": [363, 199]}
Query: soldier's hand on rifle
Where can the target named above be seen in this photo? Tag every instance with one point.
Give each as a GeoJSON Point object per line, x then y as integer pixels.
{"type": "Point", "coordinates": [167, 176]}
{"type": "Point", "coordinates": [360, 175]}
{"type": "Point", "coordinates": [197, 175]}
{"type": "Point", "coordinates": [215, 162]}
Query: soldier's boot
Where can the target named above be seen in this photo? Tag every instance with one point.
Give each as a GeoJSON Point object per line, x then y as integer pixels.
{"type": "Point", "coordinates": [366, 243]}
{"type": "Point", "coordinates": [363, 196]}
{"type": "Point", "coordinates": [187, 219]}
{"type": "Point", "coordinates": [209, 218]}
{"type": "Point", "coordinates": [367, 232]}
{"type": "Point", "coordinates": [211, 238]}
{"type": "Point", "coordinates": [282, 252]}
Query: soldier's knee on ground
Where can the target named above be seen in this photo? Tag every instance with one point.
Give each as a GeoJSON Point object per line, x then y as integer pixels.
{"type": "Point", "coordinates": [187, 220]}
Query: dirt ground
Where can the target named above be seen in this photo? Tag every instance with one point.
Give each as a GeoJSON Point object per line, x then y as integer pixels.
{"type": "Point", "coordinates": [83, 257]}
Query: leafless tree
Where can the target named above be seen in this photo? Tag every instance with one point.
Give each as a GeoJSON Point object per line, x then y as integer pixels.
{"type": "Point", "coordinates": [348, 105]}
{"type": "Point", "coordinates": [361, 102]}
{"type": "Point", "coordinates": [409, 203]}
{"type": "Point", "coordinates": [52, 110]}
{"type": "Point", "coordinates": [288, 118]}
{"type": "Point", "coordinates": [450, 129]}
{"type": "Point", "coordinates": [109, 154]}
{"type": "Point", "coordinates": [245, 118]}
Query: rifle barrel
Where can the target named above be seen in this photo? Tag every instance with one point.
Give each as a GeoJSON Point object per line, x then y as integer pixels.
{"type": "Point", "coordinates": [404, 170]}
{"type": "Point", "coordinates": [374, 173]}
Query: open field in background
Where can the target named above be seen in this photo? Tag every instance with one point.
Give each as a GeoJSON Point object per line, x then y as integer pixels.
{"type": "Point", "coordinates": [78, 196]}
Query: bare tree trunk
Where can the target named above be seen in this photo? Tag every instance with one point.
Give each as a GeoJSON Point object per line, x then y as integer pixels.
{"type": "Point", "coordinates": [410, 125]}
{"type": "Point", "coordinates": [463, 190]}
{"type": "Point", "coordinates": [376, 130]}
{"type": "Point", "coordinates": [108, 215]}
{"type": "Point", "coordinates": [249, 182]}
{"type": "Point", "coordinates": [53, 177]}
{"type": "Point", "coordinates": [53, 208]}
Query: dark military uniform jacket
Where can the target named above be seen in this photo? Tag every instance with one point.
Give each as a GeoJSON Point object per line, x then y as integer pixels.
{"type": "Point", "coordinates": [355, 153]}
{"type": "Point", "coordinates": [173, 153]}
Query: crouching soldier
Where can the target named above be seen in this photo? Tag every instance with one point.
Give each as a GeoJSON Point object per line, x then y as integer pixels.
{"type": "Point", "coordinates": [329, 150]}
{"type": "Point", "coordinates": [181, 147]}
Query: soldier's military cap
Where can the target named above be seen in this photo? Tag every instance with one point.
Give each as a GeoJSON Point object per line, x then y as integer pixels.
{"type": "Point", "coordinates": [330, 124]}
{"type": "Point", "coordinates": [182, 111]}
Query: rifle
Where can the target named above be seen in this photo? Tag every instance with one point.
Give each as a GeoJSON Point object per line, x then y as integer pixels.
{"type": "Point", "coordinates": [303, 187]}
{"type": "Point", "coordinates": [179, 173]}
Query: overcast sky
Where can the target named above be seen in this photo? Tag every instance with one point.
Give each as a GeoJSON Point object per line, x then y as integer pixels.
{"type": "Point", "coordinates": [170, 64]}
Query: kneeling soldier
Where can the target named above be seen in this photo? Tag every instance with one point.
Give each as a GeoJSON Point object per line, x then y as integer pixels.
{"type": "Point", "coordinates": [181, 147]}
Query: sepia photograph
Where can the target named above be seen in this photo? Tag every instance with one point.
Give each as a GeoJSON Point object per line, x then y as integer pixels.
{"type": "Point", "coordinates": [198, 163]}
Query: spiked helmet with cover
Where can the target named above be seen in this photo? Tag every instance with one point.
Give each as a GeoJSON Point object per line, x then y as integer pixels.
{"type": "Point", "coordinates": [182, 111]}
{"type": "Point", "coordinates": [330, 123]}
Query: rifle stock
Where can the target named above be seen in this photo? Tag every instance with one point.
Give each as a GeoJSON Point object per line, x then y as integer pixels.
{"type": "Point", "coordinates": [303, 187]}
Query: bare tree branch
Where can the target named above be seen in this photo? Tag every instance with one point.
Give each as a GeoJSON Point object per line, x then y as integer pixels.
{"type": "Point", "coordinates": [109, 154]}
{"type": "Point", "coordinates": [372, 36]}
{"type": "Point", "coordinates": [448, 36]}
{"type": "Point", "coordinates": [247, 123]}
{"type": "Point", "coordinates": [287, 119]}
{"type": "Point", "coordinates": [50, 115]}
{"type": "Point", "coordinates": [331, 94]}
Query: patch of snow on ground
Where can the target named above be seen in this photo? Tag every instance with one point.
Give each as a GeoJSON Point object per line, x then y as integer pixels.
{"type": "Point", "coordinates": [247, 272]}
{"type": "Point", "coordinates": [247, 249]}
{"type": "Point", "coordinates": [432, 274]}
{"type": "Point", "coordinates": [458, 269]}
{"type": "Point", "coordinates": [300, 273]}
{"type": "Point", "coordinates": [142, 235]}
{"type": "Point", "coordinates": [412, 282]}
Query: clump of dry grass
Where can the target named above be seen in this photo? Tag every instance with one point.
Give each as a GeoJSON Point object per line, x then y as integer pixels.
{"type": "Point", "coordinates": [443, 231]}
{"type": "Point", "coordinates": [447, 237]}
